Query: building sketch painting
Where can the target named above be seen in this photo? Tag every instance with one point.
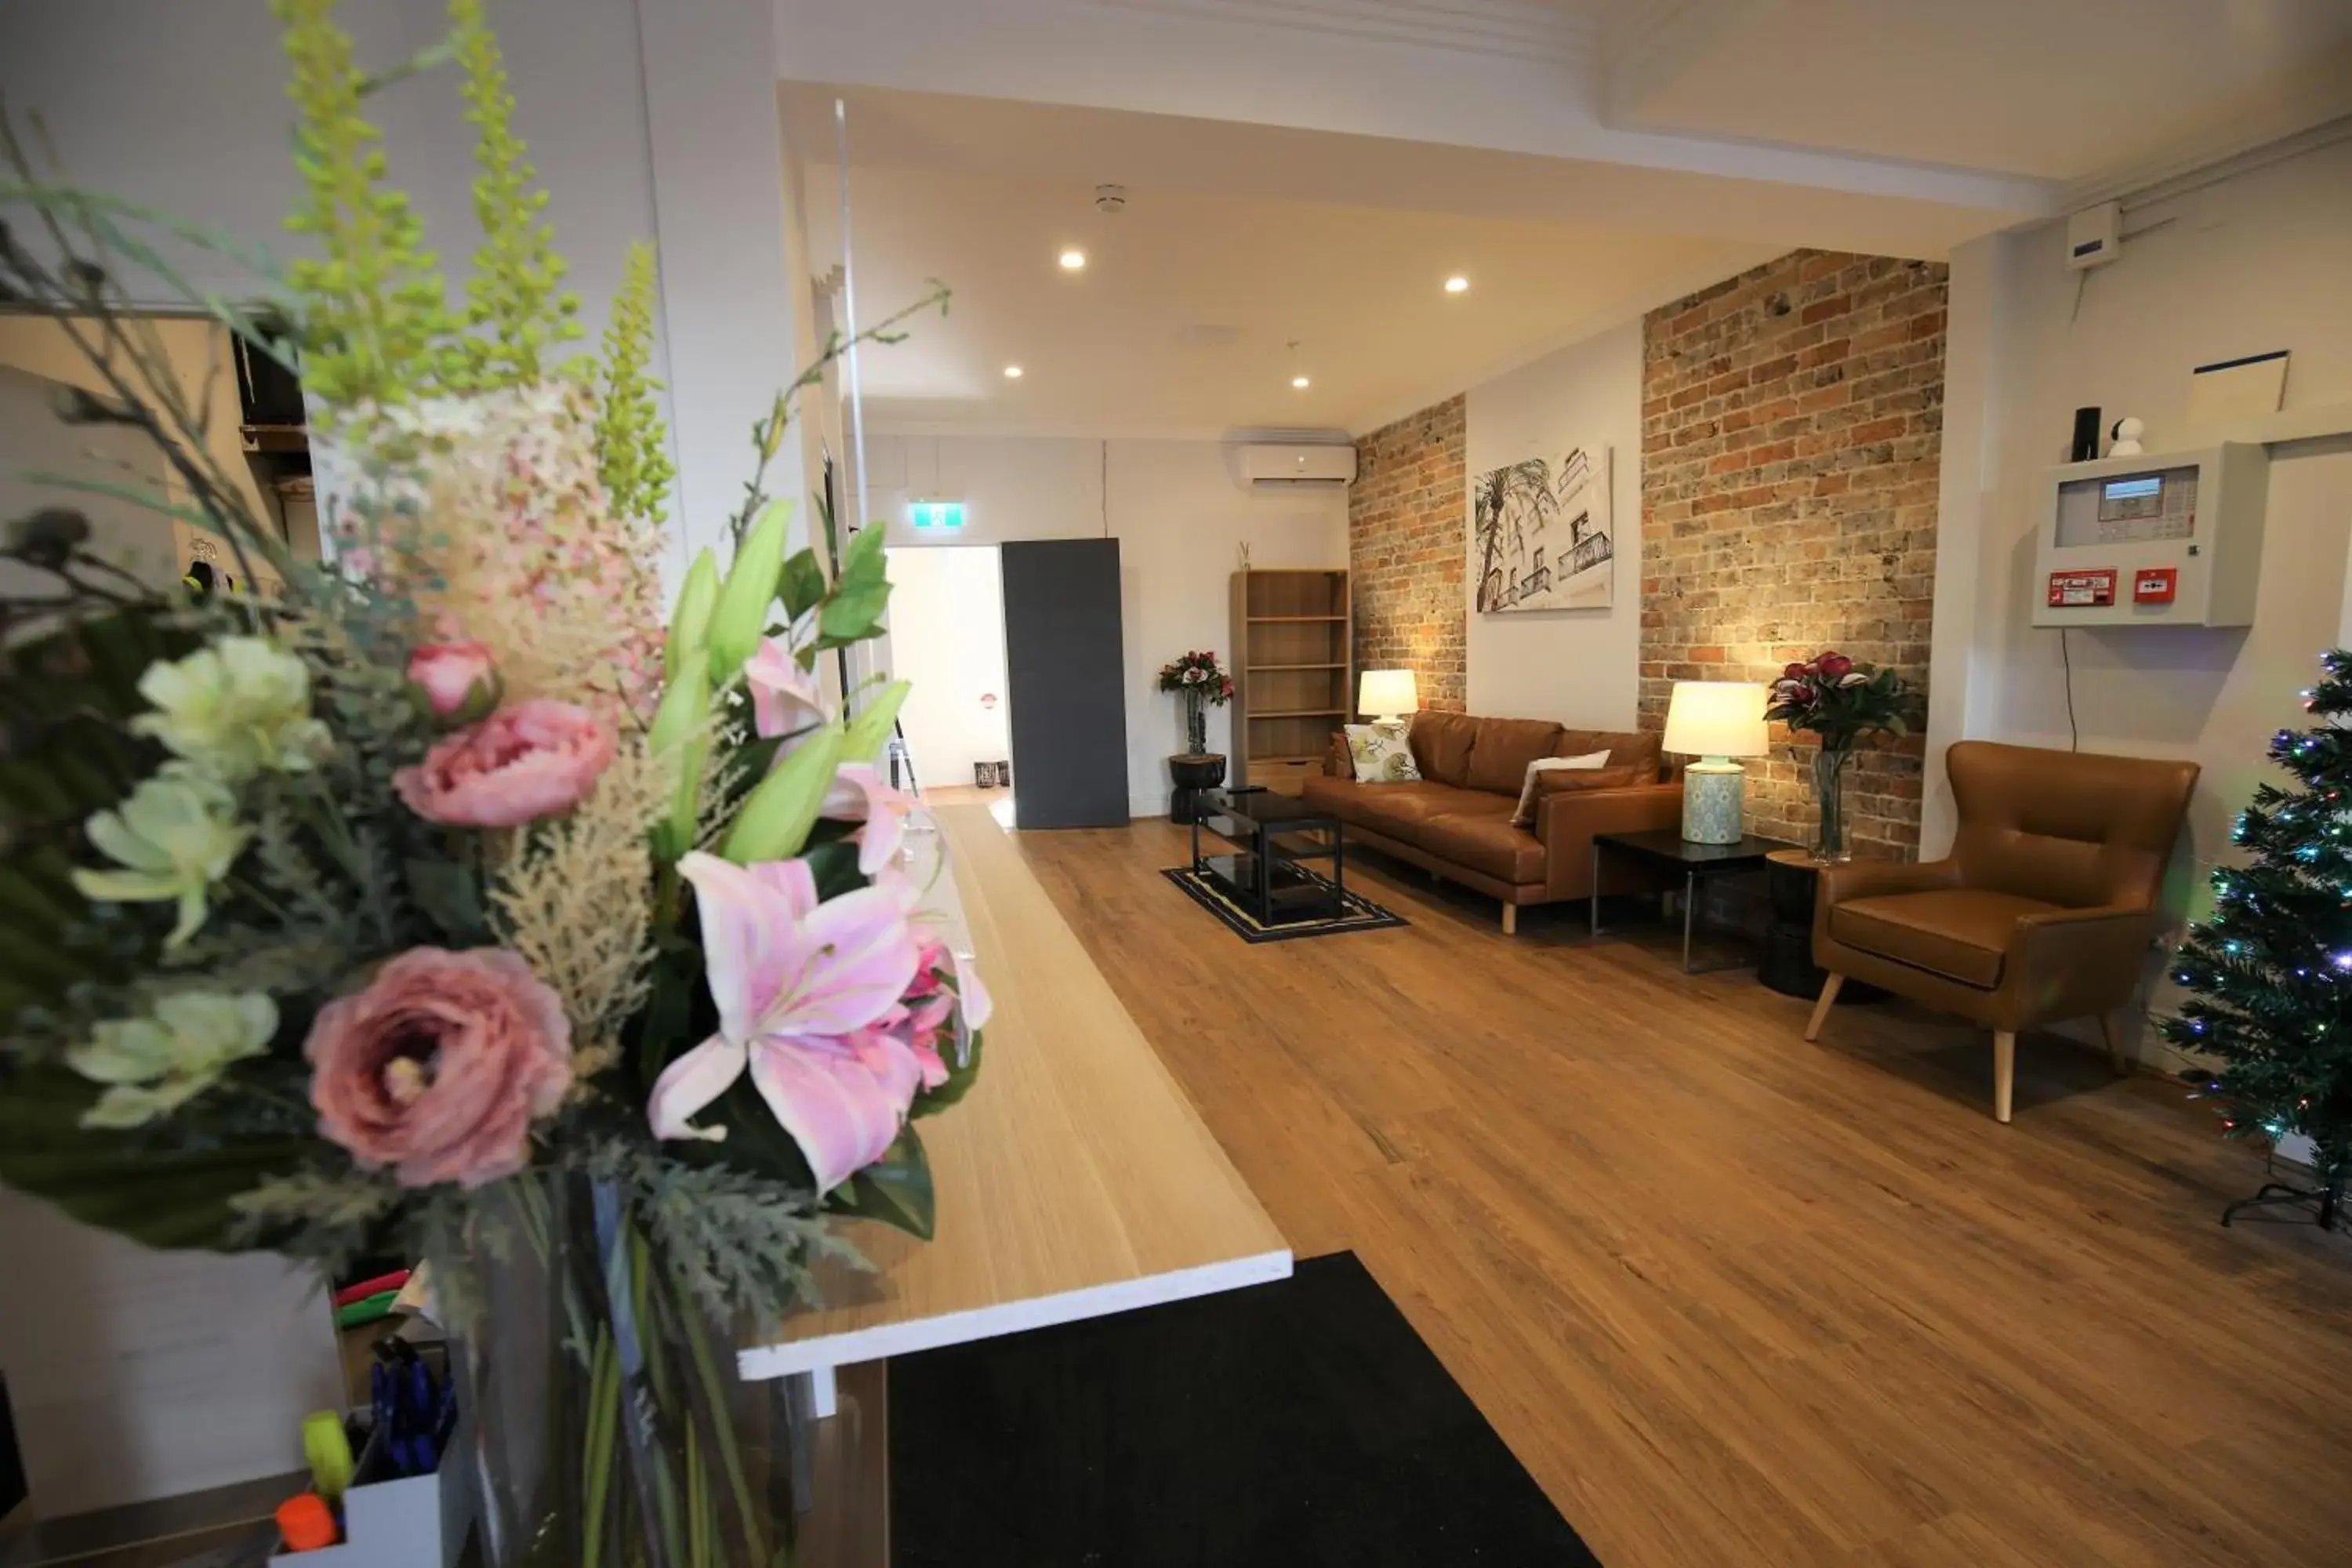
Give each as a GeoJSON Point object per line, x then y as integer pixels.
{"type": "Point", "coordinates": [1542, 535]}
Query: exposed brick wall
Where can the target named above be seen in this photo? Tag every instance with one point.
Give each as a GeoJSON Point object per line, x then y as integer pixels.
{"type": "Point", "coordinates": [1792, 423]}
{"type": "Point", "coordinates": [1405, 553]}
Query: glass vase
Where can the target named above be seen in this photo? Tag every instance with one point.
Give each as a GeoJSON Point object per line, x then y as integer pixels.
{"type": "Point", "coordinates": [1196, 725]}
{"type": "Point", "coordinates": [1830, 845]}
{"type": "Point", "coordinates": [606, 1427]}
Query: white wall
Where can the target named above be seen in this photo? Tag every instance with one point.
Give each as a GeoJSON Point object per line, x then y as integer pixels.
{"type": "Point", "coordinates": [2250, 264]}
{"type": "Point", "coordinates": [647, 120]}
{"type": "Point", "coordinates": [1180, 516]}
{"type": "Point", "coordinates": [1577, 667]}
{"type": "Point", "coordinates": [946, 636]}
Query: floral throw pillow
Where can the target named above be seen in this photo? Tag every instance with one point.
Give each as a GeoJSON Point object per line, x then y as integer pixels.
{"type": "Point", "coordinates": [1380, 754]}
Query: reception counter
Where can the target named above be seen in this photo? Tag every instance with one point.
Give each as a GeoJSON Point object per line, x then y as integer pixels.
{"type": "Point", "coordinates": [1075, 1179]}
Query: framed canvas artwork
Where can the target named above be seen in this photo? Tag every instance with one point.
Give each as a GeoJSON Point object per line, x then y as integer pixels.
{"type": "Point", "coordinates": [1541, 532]}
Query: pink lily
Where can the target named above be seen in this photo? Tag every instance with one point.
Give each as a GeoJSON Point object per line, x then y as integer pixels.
{"type": "Point", "coordinates": [804, 990]}
{"type": "Point", "coordinates": [972, 997]}
{"type": "Point", "coordinates": [858, 794]}
{"type": "Point", "coordinates": [784, 696]}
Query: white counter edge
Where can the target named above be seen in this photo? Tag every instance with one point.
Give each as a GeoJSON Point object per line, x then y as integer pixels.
{"type": "Point", "coordinates": [763, 1362]}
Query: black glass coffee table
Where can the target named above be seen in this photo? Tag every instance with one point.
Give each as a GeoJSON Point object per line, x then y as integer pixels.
{"type": "Point", "coordinates": [1268, 838]}
{"type": "Point", "coordinates": [1666, 849]}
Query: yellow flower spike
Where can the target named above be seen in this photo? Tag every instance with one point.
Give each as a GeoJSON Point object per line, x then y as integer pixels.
{"type": "Point", "coordinates": [516, 289]}
{"type": "Point", "coordinates": [632, 443]}
{"type": "Point", "coordinates": [741, 614]}
{"type": "Point", "coordinates": [774, 822]}
{"type": "Point", "coordinates": [680, 735]}
{"type": "Point", "coordinates": [690, 623]}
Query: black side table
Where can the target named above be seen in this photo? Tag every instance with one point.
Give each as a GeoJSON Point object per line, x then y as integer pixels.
{"type": "Point", "coordinates": [1789, 883]}
{"type": "Point", "coordinates": [1192, 774]}
{"type": "Point", "coordinates": [1665, 846]}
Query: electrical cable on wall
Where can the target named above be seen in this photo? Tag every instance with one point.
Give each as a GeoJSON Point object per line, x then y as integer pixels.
{"type": "Point", "coordinates": [2066, 658]}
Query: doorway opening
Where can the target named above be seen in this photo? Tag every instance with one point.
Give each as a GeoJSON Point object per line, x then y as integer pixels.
{"type": "Point", "coordinates": [947, 638]}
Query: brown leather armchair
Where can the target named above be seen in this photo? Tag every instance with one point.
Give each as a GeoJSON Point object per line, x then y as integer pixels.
{"type": "Point", "coordinates": [2043, 909]}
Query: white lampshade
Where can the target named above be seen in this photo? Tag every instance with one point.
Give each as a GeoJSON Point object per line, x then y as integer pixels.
{"type": "Point", "coordinates": [1387, 694]}
{"type": "Point", "coordinates": [1716, 719]}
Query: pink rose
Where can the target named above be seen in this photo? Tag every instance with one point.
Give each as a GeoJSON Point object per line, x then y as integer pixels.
{"type": "Point", "coordinates": [440, 1066]}
{"type": "Point", "coordinates": [526, 761]}
{"type": "Point", "coordinates": [454, 676]}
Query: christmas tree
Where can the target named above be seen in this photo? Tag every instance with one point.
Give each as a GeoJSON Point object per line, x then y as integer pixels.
{"type": "Point", "coordinates": [2270, 972]}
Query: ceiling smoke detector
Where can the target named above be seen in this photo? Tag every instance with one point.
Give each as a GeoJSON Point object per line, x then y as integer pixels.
{"type": "Point", "coordinates": [1110, 199]}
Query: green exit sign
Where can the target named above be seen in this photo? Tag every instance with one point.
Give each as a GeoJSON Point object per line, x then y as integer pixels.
{"type": "Point", "coordinates": [938, 516]}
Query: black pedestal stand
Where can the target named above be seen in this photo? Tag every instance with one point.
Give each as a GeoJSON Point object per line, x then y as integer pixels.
{"type": "Point", "coordinates": [1193, 773]}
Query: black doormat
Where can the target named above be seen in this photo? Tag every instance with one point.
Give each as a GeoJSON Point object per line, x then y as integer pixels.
{"type": "Point", "coordinates": [1356, 911]}
{"type": "Point", "coordinates": [1296, 1424]}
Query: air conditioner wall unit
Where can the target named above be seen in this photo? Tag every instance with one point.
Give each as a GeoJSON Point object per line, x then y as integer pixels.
{"type": "Point", "coordinates": [1289, 466]}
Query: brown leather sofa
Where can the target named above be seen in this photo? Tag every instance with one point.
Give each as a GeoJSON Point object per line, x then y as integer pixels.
{"type": "Point", "coordinates": [1457, 820]}
{"type": "Point", "coordinates": [2043, 909]}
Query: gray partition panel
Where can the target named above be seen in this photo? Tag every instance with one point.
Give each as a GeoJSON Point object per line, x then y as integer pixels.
{"type": "Point", "coordinates": [1067, 683]}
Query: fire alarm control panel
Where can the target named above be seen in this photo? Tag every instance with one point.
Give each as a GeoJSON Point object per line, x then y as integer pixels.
{"type": "Point", "coordinates": [2155, 539]}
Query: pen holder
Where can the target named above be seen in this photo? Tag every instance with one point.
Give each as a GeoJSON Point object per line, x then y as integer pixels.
{"type": "Point", "coordinates": [401, 1522]}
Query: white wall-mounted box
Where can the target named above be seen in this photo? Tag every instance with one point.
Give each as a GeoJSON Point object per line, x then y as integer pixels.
{"type": "Point", "coordinates": [2168, 538]}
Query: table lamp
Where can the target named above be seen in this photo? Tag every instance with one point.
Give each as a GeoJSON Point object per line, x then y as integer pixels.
{"type": "Point", "coordinates": [1387, 695]}
{"type": "Point", "coordinates": [1715, 720]}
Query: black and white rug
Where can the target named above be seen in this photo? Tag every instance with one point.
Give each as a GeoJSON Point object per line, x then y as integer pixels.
{"type": "Point", "coordinates": [1296, 1424]}
{"type": "Point", "coordinates": [1356, 911]}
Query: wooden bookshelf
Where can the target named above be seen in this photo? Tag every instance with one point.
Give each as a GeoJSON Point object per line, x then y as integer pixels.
{"type": "Point", "coordinates": [1293, 676]}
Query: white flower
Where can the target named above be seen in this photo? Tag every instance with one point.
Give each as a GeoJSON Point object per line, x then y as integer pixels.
{"type": "Point", "coordinates": [235, 708]}
{"type": "Point", "coordinates": [153, 1066]}
{"type": "Point", "coordinates": [174, 837]}
{"type": "Point", "coordinates": [1856, 679]}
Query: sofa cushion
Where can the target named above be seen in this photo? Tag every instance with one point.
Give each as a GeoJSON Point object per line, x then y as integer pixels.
{"type": "Point", "coordinates": [1486, 842]}
{"type": "Point", "coordinates": [1499, 758]}
{"type": "Point", "coordinates": [1441, 744]}
{"type": "Point", "coordinates": [1394, 809]}
{"type": "Point", "coordinates": [1961, 934]}
{"type": "Point", "coordinates": [1625, 748]}
{"type": "Point", "coordinates": [1380, 754]}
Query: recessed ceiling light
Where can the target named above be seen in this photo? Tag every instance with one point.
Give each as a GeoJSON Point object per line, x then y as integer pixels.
{"type": "Point", "coordinates": [1073, 261]}
{"type": "Point", "coordinates": [1013, 372]}
{"type": "Point", "coordinates": [1457, 284]}
{"type": "Point", "coordinates": [1299, 382]}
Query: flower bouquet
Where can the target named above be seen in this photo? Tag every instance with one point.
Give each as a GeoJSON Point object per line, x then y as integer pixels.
{"type": "Point", "coordinates": [455, 903]}
{"type": "Point", "coordinates": [1845, 702]}
{"type": "Point", "coordinates": [1196, 678]}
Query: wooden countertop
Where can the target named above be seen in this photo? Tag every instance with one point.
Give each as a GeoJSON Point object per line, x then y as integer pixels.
{"type": "Point", "coordinates": [1075, 1179]}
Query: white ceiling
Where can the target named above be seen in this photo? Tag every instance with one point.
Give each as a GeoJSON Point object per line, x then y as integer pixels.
{"type": "Point", "coordinates": [1311, 170]}
{"type": "Point", "coordinates": [2060, 89]}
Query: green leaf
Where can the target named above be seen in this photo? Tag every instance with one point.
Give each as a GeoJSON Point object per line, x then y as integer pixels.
{"type": "Point", "coordinates": [449, 896]}
{"type": "Point", "coordinates": [776, 818]}
{"type": "Point", "coordinates": [680, 736]}
{"type": "Point", "coordinates": [750, 588]}
{"type": "Point", "coordinates": [930, 1102]}
{"type": "Point", "coordinates": [803, 584]}
{"type": "Point", "coordinates": [895, 1190]}
{"type": "Point", "coordinates": [854, 609]}
{"type": "Point", "coordinates": [690, 622]}
{"type": "Point", "coordinates": [871, 728]}
{"type": "Point", "coordinates": [160, 1192]}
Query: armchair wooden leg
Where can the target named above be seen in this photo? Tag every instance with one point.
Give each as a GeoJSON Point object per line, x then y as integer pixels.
{"type": "Point", "coordinates": [2004, 1071]}
{"type": "Point", "coordinates": [1511, 919]}
{"type": "Point", "coordinates": [1822, 1008]}
{"type": "Point", "coordinates": [2115, 1038]}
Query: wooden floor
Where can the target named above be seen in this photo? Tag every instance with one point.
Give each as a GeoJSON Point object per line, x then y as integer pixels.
{"type": "Point", "coordinates": [1734, 1300]}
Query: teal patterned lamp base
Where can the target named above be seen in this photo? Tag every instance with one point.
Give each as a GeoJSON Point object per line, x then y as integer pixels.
{"type": "Point", "coordinates": [1711, 801]}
